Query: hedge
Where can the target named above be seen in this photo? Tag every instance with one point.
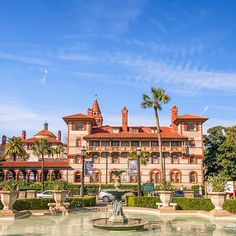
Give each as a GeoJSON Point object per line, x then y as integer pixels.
{"type": "Point", "coordinates": [147, 202]}
{"type": "Point", "coordinates": [193, 203]}
{"type": "Point", "coordinates": [230, 205]}
{"type": "Point", "coordinates": [75, 188]}
{"type": "Point", "coordinates": [42, 203]}
{"type": "Point", "coordinates": [182, 203]}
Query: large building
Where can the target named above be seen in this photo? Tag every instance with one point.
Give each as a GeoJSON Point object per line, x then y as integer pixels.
{"type": "Point", "coordinates": [56, 164]}
{"type": "Point", "coordinates": [108, 147]}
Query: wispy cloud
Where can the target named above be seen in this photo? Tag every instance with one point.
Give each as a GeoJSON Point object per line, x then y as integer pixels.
{"type": "Point", "coordinates": [205, 110]}
{"type": "Point", "coordinates": [23, 59]}
{"type": "Point", "coordinates": [44, 79]}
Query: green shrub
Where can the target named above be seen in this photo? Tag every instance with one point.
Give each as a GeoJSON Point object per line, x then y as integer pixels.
{"type": "Point", "coordinates": [193, 203]}
{"type": "Point", "coordinates": [147, 202]}
{"type": "Point", "coordinates": [230, 205]}
{"type": "Point", "coordinates": [42, 203]}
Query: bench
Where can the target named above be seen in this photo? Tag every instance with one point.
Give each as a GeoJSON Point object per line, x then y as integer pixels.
{"type": "Point", "coordinates": [160, 204]}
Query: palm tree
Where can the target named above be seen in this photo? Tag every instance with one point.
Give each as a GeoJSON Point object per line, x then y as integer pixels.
{"type": "Point", "coordinates": [156, 100]}
{"type": "Point", "coordinates": [15, 148]}
{"type": "Point", "coordinates": [60, 149]}
{"type": "Point", "coordinates": [41, 148]}
{"type": "Point", "coordinates": [142, 158]}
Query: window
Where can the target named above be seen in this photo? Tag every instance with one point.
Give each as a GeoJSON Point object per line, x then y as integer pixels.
{"type": "Point", "coordinates": [192, 177]}
{"type": "Point", "coordinates": [191, 143]}
{"type": "Point", "coordinates": [155, 177]}
{"type": "Point", "coordinates": [79, 127]}
{"type": "Point", "coordinates": [154, 143]}
{"type": "Point", "coordinates": [115, 143]}
{"type": "Point", "coordinates": [115, 159]}
{"type": "Point", "coordinates": [174, 159]}
{"type": "Point", "coordinates": [96, 177]}
{"type": "Point", "coordinates": [95, 159]}
{"type": "Point", "coordinates": [192, 160]}
{"type": "Point", "coordinates": [153, 130]}
{"type": "Point", "coordinates": [105, 143]}
{"type": "Point", "coordinates": [191, 127]}
{"type": "Point", "coordinates": [78, 177]}
{"type": "Point", "coordinates": [77, 159]}
{"type": "Point", "coordinates": [175, 144]}
{"type": "Point", "coordinates": [94, 143]}
{"type": "Point", "coordinates": [134, 143]}
{"type": "Point", "coordinates": [134, 130]}
{"type": "Point", "coordinates": [115, 130]}
{"type": "Point", "coordinates": [175, 177]}
{"type": "Point", "coordinates": [125, 143]}
{"type": "Point", "coordinates": [105, 154]}
{"type": "Point", "coordinates": [78, 142]}
{"type": "Point", "coordinates": [165, 143]}
{"type": "Point", "coordinates": [124, 154]}
{"type": "Point", "coordinates": [145, 144]}
{"type": "Point", "coordinates": [154, 158]}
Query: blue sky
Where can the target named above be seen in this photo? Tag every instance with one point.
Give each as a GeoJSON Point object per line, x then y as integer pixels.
{"type": "Point", "coordinates": [56, 55]}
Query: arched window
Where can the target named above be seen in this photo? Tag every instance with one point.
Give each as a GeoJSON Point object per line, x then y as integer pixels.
{"type": "Point", "coordinates": [193, 177]}
{"type": "Point", "coordinates": [95, 159]}
{"type": "Point", "coordinates": [174, 159]}
{"type": "Point", "coordinates": [155, 176]}
{"type": "Point", "coordinates": [21, 175]}
{"type": "Point", "coordinates": [192, 160]}
{"type": "Point", "coordinates": [10, 175]}
{"type": "Point", "coordinates": [115, 158]}
{"type": "Point", "coordinates": [155, 158]}
{"type": "Point", "coordinates": [78, 177]}
{"type": "Point", "coordinates": [175, 176]}
{"type": "Point", "coordinates": [32, 177]}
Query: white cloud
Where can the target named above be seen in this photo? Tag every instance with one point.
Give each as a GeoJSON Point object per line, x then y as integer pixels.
{"type": "Point", "coordinates": [44, 79]}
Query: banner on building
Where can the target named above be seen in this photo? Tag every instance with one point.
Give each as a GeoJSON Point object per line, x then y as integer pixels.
{"type": "Point", "coordinates": [88, 168]}
{"type": "Point", "coordinates": [133, 168]}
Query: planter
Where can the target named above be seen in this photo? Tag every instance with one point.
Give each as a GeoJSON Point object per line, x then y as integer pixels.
{"type": "Point", "coordinates": [8, 198]}
{"type": "Point", "coordinates": [217, 198]}
{"type": "Point", "coordinates": [189, 194]}
{"type": "Point", "coordinates": [31, 193]}
{"type": "Point", "coordinates": [59, 197]}
{"type": "Point", "coordinates": [165, 197]}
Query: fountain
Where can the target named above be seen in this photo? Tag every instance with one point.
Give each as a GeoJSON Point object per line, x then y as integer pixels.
{"type": "Point", "coordinates": [118, 220]}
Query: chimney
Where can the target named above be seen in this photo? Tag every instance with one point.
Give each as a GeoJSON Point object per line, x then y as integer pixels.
{"type": "Point", "coordinates": [90, 112]}
{"type": "Point", "coordinates": [23, 134]}
{"type": "Point", "coordinates": [124, 113]}
{"type": "Point", "coordinates": [4, 140]}
{"type": "Point", "coordinates": [59, 135]}
{"type": "Point", "coordinates": [174, 115]}
{"type": "Point", "coordinates": [46, 125]}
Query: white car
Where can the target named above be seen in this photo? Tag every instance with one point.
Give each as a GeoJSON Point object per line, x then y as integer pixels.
{"type": "Point", "coordinates": [106, 195]}
{"type": "Point", "coordinates": [45, 194]}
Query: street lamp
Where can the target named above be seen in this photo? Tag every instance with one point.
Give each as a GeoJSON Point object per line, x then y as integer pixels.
{"type": "Point", "coordinates": [138, 169]}
{"type": "Point", "coordinates": [83, 152]}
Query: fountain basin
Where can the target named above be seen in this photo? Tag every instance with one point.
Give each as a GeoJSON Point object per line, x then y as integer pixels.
{"type": "Point", "coordinates": [131, 224]}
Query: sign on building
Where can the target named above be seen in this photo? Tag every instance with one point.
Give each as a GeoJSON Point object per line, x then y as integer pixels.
{"type": "Point", "coordinates": [133, 168]}
{"type": "Point", "coordinates": [88, 168]}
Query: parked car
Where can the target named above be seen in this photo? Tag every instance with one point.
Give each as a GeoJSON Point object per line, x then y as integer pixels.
{"type": "Point", "coordinates": [45, 194]}
{"type": "Point", "coordinates": [178, 193]}
{"type": "Point", "coordinates": [107, 196]}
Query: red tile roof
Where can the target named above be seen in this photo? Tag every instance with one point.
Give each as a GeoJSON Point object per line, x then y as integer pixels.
{"type": "Point", "coordinates": [38, 164]}
{"type": "Point", "coordinates": [144, 132]}
{"type": "Point", "coordinates": [45, 132]}
{"type": "Point", "coordinates": [49, 139]}
{"type": "Point", "coordinates": [79, 116]}
{"type": "Point", "coordinates": [190, 117]}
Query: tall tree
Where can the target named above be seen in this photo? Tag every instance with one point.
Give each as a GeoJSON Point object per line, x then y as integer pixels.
{"type": "Point", "coordinates": [59, 150]}
{"type": "Point", "coordinates": [15, 148]}
{"type": "Point", "coordinates": [157, 98]}
{"type": "Point", "coordinates": [213, 140]}
{"type": "Point", "coordinates": [41, 148]}
{"type": "Point", "coordinates": [227, 154]}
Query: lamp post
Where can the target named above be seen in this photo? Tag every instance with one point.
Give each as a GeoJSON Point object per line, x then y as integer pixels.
{"type": "Point", "coordinates": [138, 169]}
{"type": "Point", "coordinates": [83, 152]}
